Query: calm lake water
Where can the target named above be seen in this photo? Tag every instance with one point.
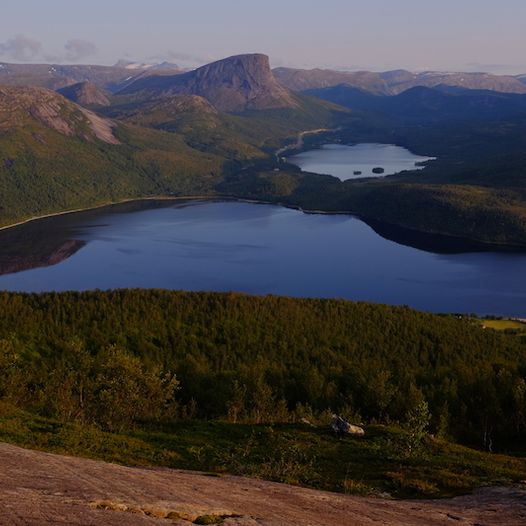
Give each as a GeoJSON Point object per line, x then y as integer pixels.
{"type": "Point", "coordinates": [343, 161]}
{"type": "Point", "coordinates": [258, 249]}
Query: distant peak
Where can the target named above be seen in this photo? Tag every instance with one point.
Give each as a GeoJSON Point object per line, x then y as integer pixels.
{"type": "Point", "coordinates": [250, 62]}
{"type": "Point", "coordinates": [86, 94]}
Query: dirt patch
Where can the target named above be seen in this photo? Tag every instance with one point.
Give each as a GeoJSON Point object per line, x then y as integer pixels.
{"type": "Point", "coordinates": [41, 489]}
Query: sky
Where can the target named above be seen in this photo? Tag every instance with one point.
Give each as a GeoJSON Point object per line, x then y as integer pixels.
{"type": "Point", "coordinates": [460, 35]}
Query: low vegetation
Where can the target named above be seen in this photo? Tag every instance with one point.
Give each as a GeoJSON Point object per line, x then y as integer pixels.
{"type": "Point", "coordinates": [246, 385]}
{"type": "Point", "coordinates": [377, 464]}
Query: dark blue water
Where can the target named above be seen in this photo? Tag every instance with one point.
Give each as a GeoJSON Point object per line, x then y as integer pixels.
{"type": "Point", "coordinates": [258, 249]}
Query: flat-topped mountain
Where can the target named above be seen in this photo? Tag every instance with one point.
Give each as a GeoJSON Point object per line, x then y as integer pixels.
{"type": "Point", "coordinates": [395, 82]}
{"type": "Point", "coordinates": [86, 94]}
{"type": "Point", "coordinates": [234, 84]}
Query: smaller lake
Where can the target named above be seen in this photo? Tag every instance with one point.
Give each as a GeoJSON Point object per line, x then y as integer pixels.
{"type": "Point", "coordinates": [345, 162]}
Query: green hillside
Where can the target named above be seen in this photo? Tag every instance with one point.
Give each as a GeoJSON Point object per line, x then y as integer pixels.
{"type": "Point", "coordinates": [57, 172]}
{"type": "Point", "coordinates": [177, 147]}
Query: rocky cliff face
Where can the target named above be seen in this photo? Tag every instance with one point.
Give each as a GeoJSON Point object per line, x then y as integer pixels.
{"type": "Point", "coordinates": [30, 107]}
{"type": "Point", "coordinates": [85, 94]}
{"type": "Point", "coordinates": [234, 84]}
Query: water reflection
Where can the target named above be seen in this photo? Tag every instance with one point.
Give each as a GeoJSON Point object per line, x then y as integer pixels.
{"type": "Point", "coordinates": [256, 249]}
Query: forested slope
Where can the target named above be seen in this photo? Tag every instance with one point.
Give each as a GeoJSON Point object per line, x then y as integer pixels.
{"type": "Point", "coordinates": [257, 359]}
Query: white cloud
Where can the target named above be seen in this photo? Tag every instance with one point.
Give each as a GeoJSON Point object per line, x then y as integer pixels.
{"type": "Point", "coordinates": [21, 48]}
{"type": "Point", "coordinates": [78, 49]}
{"type": "Point", "coordinates": [24, 49]}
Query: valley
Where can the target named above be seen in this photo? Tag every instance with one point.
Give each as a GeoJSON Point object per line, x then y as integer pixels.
{"type": "Point", "coordinates": [171, 135]}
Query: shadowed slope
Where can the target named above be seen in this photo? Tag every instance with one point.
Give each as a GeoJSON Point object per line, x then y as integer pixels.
{"type": "Point", "coordinates": [85, 94]}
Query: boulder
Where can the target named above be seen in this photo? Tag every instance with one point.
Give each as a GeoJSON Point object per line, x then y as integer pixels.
{"type": "Point", "coordinates": [341, 427]}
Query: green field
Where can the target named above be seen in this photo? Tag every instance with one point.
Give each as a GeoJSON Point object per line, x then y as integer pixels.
{"type": "Point", "coordinates": [503, 325]}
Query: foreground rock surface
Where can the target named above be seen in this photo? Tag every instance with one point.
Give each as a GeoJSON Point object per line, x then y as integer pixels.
{"type": "Point", "coordinates": [40, 489]}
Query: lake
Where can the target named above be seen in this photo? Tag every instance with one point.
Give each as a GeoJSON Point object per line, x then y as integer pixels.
{"type": "Point", "coordinates": [259, 249]}
{"type": "Point", "coordinates": [344, 161]}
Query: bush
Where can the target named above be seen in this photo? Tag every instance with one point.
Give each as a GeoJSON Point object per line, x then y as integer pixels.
{"type": "Point", "coordinates": [417, 426]}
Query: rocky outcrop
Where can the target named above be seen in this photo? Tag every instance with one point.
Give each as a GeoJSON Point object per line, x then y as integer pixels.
{"type": "Point", "coordinates": [341, 427]}
{"type": "Point", "coordinates": [42, 489]}
{"type": "Point", "coordinates": [30, 107]}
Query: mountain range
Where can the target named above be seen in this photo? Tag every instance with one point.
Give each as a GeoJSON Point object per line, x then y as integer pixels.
{"type": "Point", "coordinates": [396, 81]}
{"type": "Point", "coordinates": [59, 153]}
{"type": "Point", "coordinates": [117, 77]}
{"type": "Point", "coordinates": [56, 76]}
{"type": "Point", "coordinates": [423, 104]}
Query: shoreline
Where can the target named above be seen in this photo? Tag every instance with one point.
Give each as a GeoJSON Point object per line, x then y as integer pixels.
{"type": "Point", "coordinates": [104, 205]}
{"type": "Point", "coordinates": [174, 198]}
{"type": "Point", "coordinates": [490, 246]}
{"type": "Point", "coordinates": [298, 143]}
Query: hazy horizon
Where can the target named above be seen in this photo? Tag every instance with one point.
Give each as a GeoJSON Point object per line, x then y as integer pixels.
{"type": "Point", "coordinates": [341, 35]}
